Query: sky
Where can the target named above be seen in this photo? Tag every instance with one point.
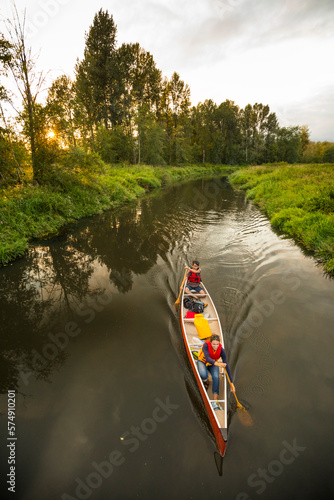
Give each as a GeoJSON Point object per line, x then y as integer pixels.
{"type": "Point", "coordinates": [277, 52]}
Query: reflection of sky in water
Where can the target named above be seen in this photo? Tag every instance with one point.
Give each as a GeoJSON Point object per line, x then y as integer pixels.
{"type": "Point", "coordinates": [100, 280]}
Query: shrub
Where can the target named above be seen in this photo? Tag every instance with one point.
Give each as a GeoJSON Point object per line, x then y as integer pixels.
{"type": "Point", "coordinates": [79, 159]}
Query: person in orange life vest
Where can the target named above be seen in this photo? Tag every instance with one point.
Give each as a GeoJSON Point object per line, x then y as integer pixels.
{"type": "Point", "coordinates": [194, 279]}
{"type": "Point", "coordinates": [210, 353]}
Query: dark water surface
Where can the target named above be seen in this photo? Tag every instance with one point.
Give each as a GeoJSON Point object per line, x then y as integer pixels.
{"type": "Point", "coordinates": [106, 405]}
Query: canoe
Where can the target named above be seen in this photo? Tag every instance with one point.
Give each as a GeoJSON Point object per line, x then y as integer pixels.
{"type": "Point", "coordinates": [218, 417]}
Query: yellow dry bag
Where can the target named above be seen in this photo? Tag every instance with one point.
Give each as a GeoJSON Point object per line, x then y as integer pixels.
{"type": "Point", "coordinates": [202, 326]}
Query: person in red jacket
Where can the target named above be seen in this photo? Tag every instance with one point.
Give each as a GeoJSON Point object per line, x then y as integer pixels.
{"type": "Point", "coordinates": [194, 279]}
{"type": "Point", "coordinates": [210, 353]}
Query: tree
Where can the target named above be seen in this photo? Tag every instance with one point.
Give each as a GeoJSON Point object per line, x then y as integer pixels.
{"type": "Point", "coordinates": [96, 75]}
{"type": "Point", "coordinates": [144, 78]}
{"type": "Point", "coordinates": [254, 119]}
{"type": "Point", "coordinates": [270, 130]}
{"type": "Point", "coordinates": [151, 138]}
{"type": "Point", "coordinates": [259, 130]}
{"type": "Point", "coordinates": [175, 112]}
{"type": "Point", "coordinates": [329, 153]}
{"type": "Point", "coordinates": [5, 59]}
{"type": "Point", "coordinates": [64, 110]}
{"type": "Point", "coordinates": [319, 152]}
{"type": "Point", "coordinates": [140, 85]}
{"type": "Point", "coordinates": [28, 82]}
{"type": "Point", "coordinates": [10, 148]}
{"type": "Point", "coordinates": [47, 147]}
{"type": "Point", "coordinates": [206, 133]}
{"type": "Point", "coordinates": [289, 144]}
{"type": "Point", "coordinates": [12, 154]}
{"type": "Point", "coordinates": [114, 145]}
{"type": "Point", "coordinates": [260, 113]}
{"type": "Point", "coordinates": [247, 121]}
{"type": "Point", "coordinates": [305, 137]}
{"type": "Point", "coordinates": [230, 127]}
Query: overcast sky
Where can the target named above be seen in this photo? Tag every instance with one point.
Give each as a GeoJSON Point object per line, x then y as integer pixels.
{"type": "Point", "coordinates": [277, 52]}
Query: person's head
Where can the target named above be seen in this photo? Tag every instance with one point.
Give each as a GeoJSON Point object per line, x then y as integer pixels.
{"type": "Point", "coordinates": [195, 264]}
{"type": "Point", "coordinates": [215, 341]}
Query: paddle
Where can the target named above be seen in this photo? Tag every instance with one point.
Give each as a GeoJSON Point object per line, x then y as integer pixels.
{"type": "Point", "coordinates": [177, 302]}
{"type": "Point", "coordinates": [244, 417]}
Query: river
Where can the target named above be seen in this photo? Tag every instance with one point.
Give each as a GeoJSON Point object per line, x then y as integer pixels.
{"type": "Point", "coordinates": [105, 404]}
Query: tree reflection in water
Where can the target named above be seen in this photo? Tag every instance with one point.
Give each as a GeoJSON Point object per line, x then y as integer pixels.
{"type": "Point", "coordinates": [102, 255]}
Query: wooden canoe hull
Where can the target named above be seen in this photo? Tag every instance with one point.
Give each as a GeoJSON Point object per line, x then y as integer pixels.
{"type": "Point", "coordinates": [218, 419]}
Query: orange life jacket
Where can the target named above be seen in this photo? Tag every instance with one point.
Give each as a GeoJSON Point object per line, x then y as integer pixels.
{"type": "Point", "coordinates": [213, 354]}
{"type": "Point", "coordinates": [194, 277]}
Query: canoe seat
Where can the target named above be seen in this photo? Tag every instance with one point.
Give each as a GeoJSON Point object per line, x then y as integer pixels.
{"type": "Point", "coordinates": [195, 294]}
{"type": "Point", "coordinates": [191, 320]}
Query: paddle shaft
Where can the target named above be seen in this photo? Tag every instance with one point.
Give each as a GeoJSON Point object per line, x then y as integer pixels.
{"type": "Point", "coordinates": [181, 287]}
{"type": "Point", "coordinates": [239, 405]}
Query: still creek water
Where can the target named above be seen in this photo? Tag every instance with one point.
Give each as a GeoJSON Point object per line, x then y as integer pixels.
{"type": "Point", "coordinates": [106, 405]}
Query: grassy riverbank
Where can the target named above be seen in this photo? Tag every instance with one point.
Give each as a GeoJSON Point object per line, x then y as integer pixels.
{"type": "Point", "coordinates": [28, 211]}
{"type": "Point", "coordinates": [299, 200]}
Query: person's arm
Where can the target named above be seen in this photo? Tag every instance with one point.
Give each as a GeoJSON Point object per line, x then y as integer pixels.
{"type": "Point", "coordinates": [223, 355]}
{"type": "Point", "coordinates": [193, 270]}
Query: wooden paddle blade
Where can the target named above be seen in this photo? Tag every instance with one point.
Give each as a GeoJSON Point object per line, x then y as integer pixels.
{"type": "Point", "coordinates": [244, 417]}
{"type": "Point", "coordinates": [177, 302]}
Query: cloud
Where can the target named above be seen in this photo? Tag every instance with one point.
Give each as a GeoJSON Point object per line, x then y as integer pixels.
{"type": "Point", "coordinates": [316, 113]}
{"type": "Point", "coordinates": [238, 25]}
{"type": "Point", "coordinates": [277, 52]}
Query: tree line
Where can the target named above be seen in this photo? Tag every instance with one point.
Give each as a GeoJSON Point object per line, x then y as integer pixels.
{"type": "Point", "coordinates": [120, 108]}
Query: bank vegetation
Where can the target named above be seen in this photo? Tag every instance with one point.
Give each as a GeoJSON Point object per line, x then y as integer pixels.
{"type": "Point", "coordinates": [29, 211]}
{"type": "Point", "coordinates": [119, 106]}
{"type": "Point", "coordinates": [299, 201]}
{"type": "Point", "coordinates": [116, 130]}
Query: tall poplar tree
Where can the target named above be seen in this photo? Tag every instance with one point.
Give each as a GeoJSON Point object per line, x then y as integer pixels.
{"type": "Point", "coordinates": [140, 82]}
{"type": "Point", "coordinates": [175, 112]}
{"type": "Point", "coordinates": [96, 74]}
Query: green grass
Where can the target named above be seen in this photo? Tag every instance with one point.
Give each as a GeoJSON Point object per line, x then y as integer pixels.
{"type": "Point", "coordinates": [28, 211]}
{"type": "Point", "coordinates": [299, 200]}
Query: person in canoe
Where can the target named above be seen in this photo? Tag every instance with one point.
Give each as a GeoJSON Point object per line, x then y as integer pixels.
{"type": "Point", "coordinates": [194, 279]}
{"type": "Point", "coordinates": [208, 357]}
